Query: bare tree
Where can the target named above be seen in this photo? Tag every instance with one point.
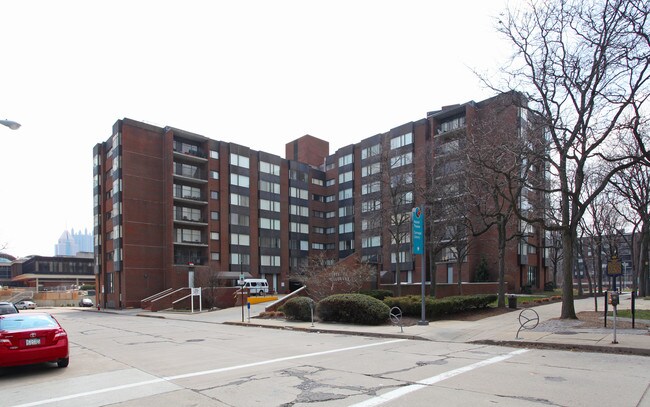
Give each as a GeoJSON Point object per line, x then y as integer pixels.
{"type": "Point", "coordinates": [498, 157]}
{"type": "Point", "coordinates": [633, 185]}
{"type": "Point", "coordinates": [583, 66]}
{"type": "Point", "coordinates": [323, 279]}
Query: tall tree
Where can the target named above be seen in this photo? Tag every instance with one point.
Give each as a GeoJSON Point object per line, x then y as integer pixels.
{"type": "Point", "coordinates": [583, 66]}
{"type": "Point", "coordinates": [633, 184]}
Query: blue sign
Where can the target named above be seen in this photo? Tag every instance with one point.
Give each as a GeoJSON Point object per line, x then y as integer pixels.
{"type": "Point", "coordinates": [417, 222]}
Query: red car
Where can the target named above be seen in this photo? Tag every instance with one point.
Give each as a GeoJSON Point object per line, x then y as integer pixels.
{"type": "Point", "coordinates": [29, 338]}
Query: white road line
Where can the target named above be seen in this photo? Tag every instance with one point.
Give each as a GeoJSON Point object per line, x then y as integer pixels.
{"type": "Point", "coordinates": [395, 394]}
{"type": "Point", "coordinates": [201, 373]}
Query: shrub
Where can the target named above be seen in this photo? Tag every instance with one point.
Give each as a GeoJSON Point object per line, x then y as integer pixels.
{"type": "Point", "coordinates": [378, 294]}
{"type": "Point", "coordinates": [298, 308]}
{"type": "Point", "coordinates": [353, 308]}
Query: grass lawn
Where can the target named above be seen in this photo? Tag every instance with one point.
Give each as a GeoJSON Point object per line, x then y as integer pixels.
{"type": "Point", "coordinates": [626, 313]}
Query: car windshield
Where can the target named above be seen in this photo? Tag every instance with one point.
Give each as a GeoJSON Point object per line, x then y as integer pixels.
{"type": "Point", "coordinates": [27, 322]}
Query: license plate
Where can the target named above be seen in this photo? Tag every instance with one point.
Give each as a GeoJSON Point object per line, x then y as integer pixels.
{"type": "Point", "coordinates": [33, 341]}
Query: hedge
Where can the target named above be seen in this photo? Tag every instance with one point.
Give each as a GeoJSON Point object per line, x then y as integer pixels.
{"type": "Point", "coordinates": [298, 308]}
{"type": "Point", "coordinates": [378, 294]}
{"type": "Point", "coordinates": [353, 308]}
{"type": "Point", "coordinates": [435, 308]}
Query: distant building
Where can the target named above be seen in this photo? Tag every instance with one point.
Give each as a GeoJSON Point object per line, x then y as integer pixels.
{"type": "Point", "coordinates": [43, 272]}
{"type": "Point", "coordinates": [5, 268]}
{"type": "Point", "coordinates": [71, 243]}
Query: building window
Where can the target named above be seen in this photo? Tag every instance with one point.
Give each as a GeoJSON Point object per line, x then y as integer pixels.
{"type": "Point", "coordinates": [370, 151]}
{"type": "Point", "coordinates": [240, 239]}
{"type": "Point", "coordinates": [215, 256]}
{"type": "Point", "coordinates": [370, 188]}
{"type": "Point", "coordinates": [330, 182]}
{"type": "Point", "coordinates": [214, 194]}
{"type": "Point", "coordinates": [401, 160]}
{"type": "Point", "coordinates": [452, 124]}
{"type": "Point", "coordinates": [346, 177]}
{"type": "Point", "coordinates": [239, 200]}
{"type": "Point", "coordinates": [404, 257]}
{"type": "Point", "coordinates": [297, 227]}
{"type": "Point", "coordinates": [270, 242]}
{"type": "Point", "coordinates": [345, 160]}
{"type": "Point", "coordinates": [214, 215]}
{"type": "Point", "coordinates": [317, 181]}
{"type": "Point", "coordinates": [370, 169]}
{"type": "Point", "coordinates": [369, 206]}
{"type": "Point", "coordinates": [239, 180]}
{"type": "Point", "coordinates": [272, 224]}
{"type": "Point", "coordinates": [269, 168]}
{"type": "Point", "coordinates": [239, 220]}
{"type": "Point", "coordinates": [188, 236]}
{"type": "Point", "coordinates": [298, 193]}
{"type": "Point", "coordinates": [214, 235]}
{"type": "Point", "coordinates": [345, 194]}
{"type": "Point", "coordinates": [346, 245]}
{"type": "Point", "coordinates": [239, 160]}
{"type": "Point", "coordinates": [298, 175]}
{"type": "Point", "coordinates": [270, 260]}
{"type": "Point", "coordinates": [299, 210]}
{"type": "Point", "coordinates": [240, 258]}
{"type": "Point", "coordinates": [346, 211]}
{"type": "Point", "coordinates": [401, 141]}
{"type": "Point", "coordinates": [266, 205]}
{"type": "Point", "coordinates": [371, 241]}
{"type": "Point", "coordinates": [214, 174]}
{"type": "Point", "coordinates": [214, 154]}
{"type": "Point", "coordinates": [346, 227]}
{"type": "Point", "coordinates": [272, 187]}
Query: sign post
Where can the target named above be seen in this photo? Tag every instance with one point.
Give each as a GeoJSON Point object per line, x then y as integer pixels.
{"type": "Point", "coordinates": [417, 237]}
{"type": "Point", "coordinates": [614, 270]}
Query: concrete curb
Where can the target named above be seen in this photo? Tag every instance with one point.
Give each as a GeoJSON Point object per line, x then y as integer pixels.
{"type": "Point", "coordinates": [329, 331]}
{"type": "Point", "coordinates": [567, 347]}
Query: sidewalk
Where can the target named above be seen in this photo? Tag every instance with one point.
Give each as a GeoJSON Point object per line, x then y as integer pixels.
{"type": "Point", "coordinates": [498, 330]}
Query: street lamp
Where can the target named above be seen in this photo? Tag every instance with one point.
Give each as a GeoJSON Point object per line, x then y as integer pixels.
{"type": "Point", "coordinates": [11, 124]}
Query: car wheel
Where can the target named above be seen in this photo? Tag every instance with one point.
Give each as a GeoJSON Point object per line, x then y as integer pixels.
{"type": "Point", "coordinates": [63, 362]}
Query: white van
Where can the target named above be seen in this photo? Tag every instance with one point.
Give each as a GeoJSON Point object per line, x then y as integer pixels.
{"type": "Point", "coordinates": [257, 286]}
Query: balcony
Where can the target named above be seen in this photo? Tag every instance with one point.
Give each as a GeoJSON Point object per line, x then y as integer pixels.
{"type": "Point", "coordinates": [189, 173]}
{"type": "Point", "coordinates": [191, 199]}
{"type": "Point", "coordinates": [190, 221]}
{"type": "Point", "coordinates": [190, 155]}
{"type": "Point", "coordinates": [189, 242]}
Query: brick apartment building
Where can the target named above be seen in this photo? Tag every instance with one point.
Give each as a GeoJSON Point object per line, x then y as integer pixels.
{"type": "Point", "coordinates": [167, 201]}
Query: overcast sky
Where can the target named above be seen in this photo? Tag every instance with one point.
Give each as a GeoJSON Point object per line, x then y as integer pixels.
{"type": "Point", "coordinates": [259, 73]}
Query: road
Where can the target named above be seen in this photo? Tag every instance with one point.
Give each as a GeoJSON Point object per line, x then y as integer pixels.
{"type": "Point", "coordinates": [120, 360]}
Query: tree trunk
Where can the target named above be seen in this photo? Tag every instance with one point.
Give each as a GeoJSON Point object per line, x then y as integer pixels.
{"type": "Point", "coordinates": [432, 275]}
{"type": "Point", "coordinates": [501, 264]}
{"type": "Point", "coordinates": [644, 277]}
{"type": "Point", "coordinates": [398, 277]}
{"type": "Point", "coordinates": [598, 269]}
{"type": "Point", "coordinates": [568, 308]}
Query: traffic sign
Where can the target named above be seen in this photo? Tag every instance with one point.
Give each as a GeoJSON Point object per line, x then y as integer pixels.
{"type": "Point", "coordinates": [417, 222]}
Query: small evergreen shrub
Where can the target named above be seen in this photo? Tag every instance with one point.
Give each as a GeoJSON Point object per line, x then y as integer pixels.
{"type": "Point", "coordinates": [298, 309]}
{"type": "Point", "coordinates": [353, 308]}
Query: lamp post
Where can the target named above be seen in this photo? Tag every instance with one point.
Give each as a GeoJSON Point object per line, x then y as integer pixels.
{"type": "Point", "coordinates": [11, 124]}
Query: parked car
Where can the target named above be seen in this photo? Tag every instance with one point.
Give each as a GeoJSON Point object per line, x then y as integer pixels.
{"type": "Point", "coordinates": [86, 302]}
{"type": "Point", "coordinates": [7, 308]}
{"type": "Point", "coordinates": [29, 338]}
{"type": "Point", "coordinates": [25, 304]}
